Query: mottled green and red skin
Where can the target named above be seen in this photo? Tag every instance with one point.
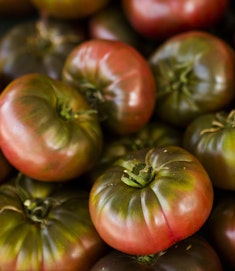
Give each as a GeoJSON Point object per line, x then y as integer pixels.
{"type": "Point", "coordinates": [167, 207]}
{"type": "Point", "coordinates": [46, 227]}
{"type": "Point", "coordinates": [115, 79]}
{"type": "Point", "coordinates": [48, 131]}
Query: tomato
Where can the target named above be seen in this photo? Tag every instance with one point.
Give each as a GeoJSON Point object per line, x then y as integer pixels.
{"type": "Point", "coordinates": [111, 23]}
{"type": "Point", "coordinates": [37, 46]}
{"type": "Point", "coordinates": [154, 133]}
{"type": "Point", "coordinates": [161, 19]}
{"type": "Point", "coordinates": [194, 252]}
{"type": "Point", "coordinates": [46, 226]}
{"type": "Point", "coordinates": [47, 129]}
{"type": "Point", "coordinates": [210, 138]}
{"type": "Point", "coordinates": [69, 9]}
{"type": "Point", "coordinates": [221, 229]}
{"type": "Point", "coordinates": [16, 8]}
{"type": "Point", "coordinates": [150, 199]}
{"type": "Point", "coordinates": [194, 74]}
{"type": "Point", "coordinates": [116, 80]}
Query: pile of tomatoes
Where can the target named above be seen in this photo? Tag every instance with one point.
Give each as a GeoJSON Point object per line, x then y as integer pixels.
{"type": "Point", "coordinates": [117, 135]}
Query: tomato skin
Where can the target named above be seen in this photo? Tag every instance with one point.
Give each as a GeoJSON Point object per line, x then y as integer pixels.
{"type": "Point", "coordinates": [50, 132]}
{"type": "Point", "coordinates": [161, 19]}
{"type": "Point", "coordinates": [194, 74]}
{"type": "Point", "coordinates": [16, 8]}
{"type": "Point", "coordinates": [173, 201]}
{"type": "Point", "coordinates": [69, 9]}
{"type": "Point", "coordinates": [221, 228]}
{"type": "Point", "coordinates": [194, 251]}
{"type": "Point", "coordinates": [46, 226]}
{"type": "Point", "coordinates": [115, 79]}
{"type": "Point", "coordinates": [210, 138]}
{"type": "Point", "coordinates": [5, 168]}
{"type": "Point", "coordinates": [40, 45]}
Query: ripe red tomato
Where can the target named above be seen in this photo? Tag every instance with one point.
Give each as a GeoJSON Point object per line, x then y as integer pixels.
{"type": "Point", "coordinates": [69, 9]}
{"type": "Point", "coordinates": [116, 80]}
{"type": "Point", "coordinates": [47, 129]}
{"type": "Point", "coordinates": [150, 199]}
{"type": "Point", "coordinates": [161, 19]}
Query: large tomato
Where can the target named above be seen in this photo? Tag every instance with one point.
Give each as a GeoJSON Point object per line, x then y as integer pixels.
{"type": "Point", "coordinates": [210, 138]}
{"type": "Point", "coordinates": [161, 19]}
{"type": "Point", "coordinates": [116, 80]}
{"type": "Point", "coordinates": [47, 129]}
{"type": "Point", "coordinates": [150, 199]}
{"type": "Point", "coordinates": [40, 45]}
{"type": "Point", "coordinates": [69, 9]}
{"type": "Point", "coordinates": [46, 226]}
{"type": "Point", "coordinates": [194, 73]}
{"type": "Point", "coordinates": [193, 252]}
{"type": "Point", "coordinates": [221, 229]}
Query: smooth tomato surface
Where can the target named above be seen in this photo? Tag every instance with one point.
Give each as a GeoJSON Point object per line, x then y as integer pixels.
{"type": "Point", "coordinates": [69, 9]}
{"type": "Point", "coordinates": [48, 131]}
{"type": "Point", "coordinates": [161, 19]}
{"type": "Point", "coordinates": [116, 80]}
{"type": "Point", "coordinates": [150, 199]}
{"type": "Point", "coordinates": [194, 252]}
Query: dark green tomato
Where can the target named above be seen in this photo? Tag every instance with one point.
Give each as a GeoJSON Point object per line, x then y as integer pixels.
{"type": "Point", "coordinates": [221, 229]}
{"type": "Point", "coordinates": [37, 46]}
{"type": "Point", "coordinates": [194, 74]}
{"type": "Point", "coordinates": [116, 80]}
{"type": "Point", "coordinates": [154, 133]}
{"type": "Point", "coordinates": [46, 226]}
{"type": "Point", "coordinates": [211, 138]}
{"type": "Point", "coordinates": [47, 129]}
{"type": "Point", "coordinates": [150, 199]}
{"type": "Point", "coordinates": [193, 253]}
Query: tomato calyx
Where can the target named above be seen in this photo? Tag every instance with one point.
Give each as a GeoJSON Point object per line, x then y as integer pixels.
{"type": "Point", "coordinates": [137, 174]}
{"type": "Point", "coordinates": [67, 113]}
{"type": "Point", "coordinates": [177, 79]}
{"type": "Point", "coordinates": [221, 121]}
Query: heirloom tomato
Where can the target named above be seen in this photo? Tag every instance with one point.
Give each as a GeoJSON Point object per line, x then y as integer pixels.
{"type": "Point", "coordinates": [193, 253]}
{"type": "Point", "coordinates": [47, 129]}
{"type": "Point", "coordinates": [221, 229]}
{"type": "Point", "coordinates": [194, 74]}
{"type": "Point", "coordinates": [211, 138]}
{"type": "Point", "coordinates": [161, 19]}
{"type": "Point", "coordinates": [11, 9]}
{"type": "Point", "coordinates": [46, 227]}
{"type": "Point", "coordinates": [69, 9]}
{"type": "Point", "coordinates": [5, 168]}
{"type": "Point", "coordinates": [39, 45]}
{"type": "Point", "coordinates": [116, 80]}
{"type": "Point", "coordinates": [150, 199]}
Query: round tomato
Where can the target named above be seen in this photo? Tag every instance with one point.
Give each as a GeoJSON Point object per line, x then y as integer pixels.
{"type": "Point", "coordinates": [161, 19]}
{"type": "Point", "coordinates": [194, 74]}
{"type": "Point", "coordinates": [47, 129]}
{"type": "Point", "coordinates": [69, 9]}
{"type": "Point", "coordinates": [116, 80]}
{"type": "Point", "coordinates": [211, 138]}
{"type": "Point", "coordinates": [37, 46]}
{"type": "Point", "coordinates": [46, 226]}
{"type": "Point", "coordinates": [150, 199]}
{"type": "Point", "coordinates": [194, 252]}
{"type": "Point", "coordinates": [221, 229]}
